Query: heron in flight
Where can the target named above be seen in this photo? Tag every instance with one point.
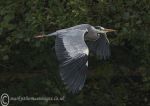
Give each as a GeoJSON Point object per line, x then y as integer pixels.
{"type": "Point", "coordinates": [72, 52]}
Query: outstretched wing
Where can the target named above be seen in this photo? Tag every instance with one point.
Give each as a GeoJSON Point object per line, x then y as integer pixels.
{"type": "Point", "coordinates": [72, 53]}
{"type": "Point", "coordinates": [101, 47]}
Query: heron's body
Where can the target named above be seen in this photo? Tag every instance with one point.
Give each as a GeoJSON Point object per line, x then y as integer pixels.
{"type": "Point", "coordinates": [84, 27]}
{"type": "Point", "coordinates": [72, 52]}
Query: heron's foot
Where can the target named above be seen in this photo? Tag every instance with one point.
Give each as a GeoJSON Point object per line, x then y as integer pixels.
{"type": "Point", "coordinates": [39, 36]}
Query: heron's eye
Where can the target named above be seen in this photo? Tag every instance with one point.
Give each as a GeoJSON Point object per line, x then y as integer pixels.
{"type": "Point", "coordinates": [99, 34]}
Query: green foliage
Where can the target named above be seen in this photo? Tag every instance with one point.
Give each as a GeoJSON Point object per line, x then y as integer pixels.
{"type": "Point", "coordinates": [28, 67]}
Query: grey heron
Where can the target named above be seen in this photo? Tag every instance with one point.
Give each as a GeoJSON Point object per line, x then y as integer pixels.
{"type": "Point", "coordinates": [72, 52]}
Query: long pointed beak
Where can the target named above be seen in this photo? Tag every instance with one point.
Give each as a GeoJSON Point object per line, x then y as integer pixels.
{"type": "Point", "coordinates": [109, 30]}
{"type": "Point", "coordinates": [39, 36]}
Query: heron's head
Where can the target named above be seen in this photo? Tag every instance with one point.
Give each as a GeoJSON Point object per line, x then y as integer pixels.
{"type": "Point", "coordinates": [103, 30]}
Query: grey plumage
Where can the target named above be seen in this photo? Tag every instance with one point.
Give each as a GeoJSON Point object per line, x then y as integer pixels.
{"type": "Point", "coordinates": [72, 52]}
{"type": "Point", "coordinates": [100, 47]}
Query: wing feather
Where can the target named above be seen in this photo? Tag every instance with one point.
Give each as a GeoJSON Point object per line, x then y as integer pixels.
{"type": "Point", "coordinates": [72, 53]}
{"type": "Point", "coordinates": [101, 47]}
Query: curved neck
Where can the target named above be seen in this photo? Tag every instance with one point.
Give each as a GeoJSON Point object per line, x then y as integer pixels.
{"type": "Point", "coordinates": [92, 34]}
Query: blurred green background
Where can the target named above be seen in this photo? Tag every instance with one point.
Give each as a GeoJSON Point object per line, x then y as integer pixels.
{"type": "Point", "coordinates": [28, 67]}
